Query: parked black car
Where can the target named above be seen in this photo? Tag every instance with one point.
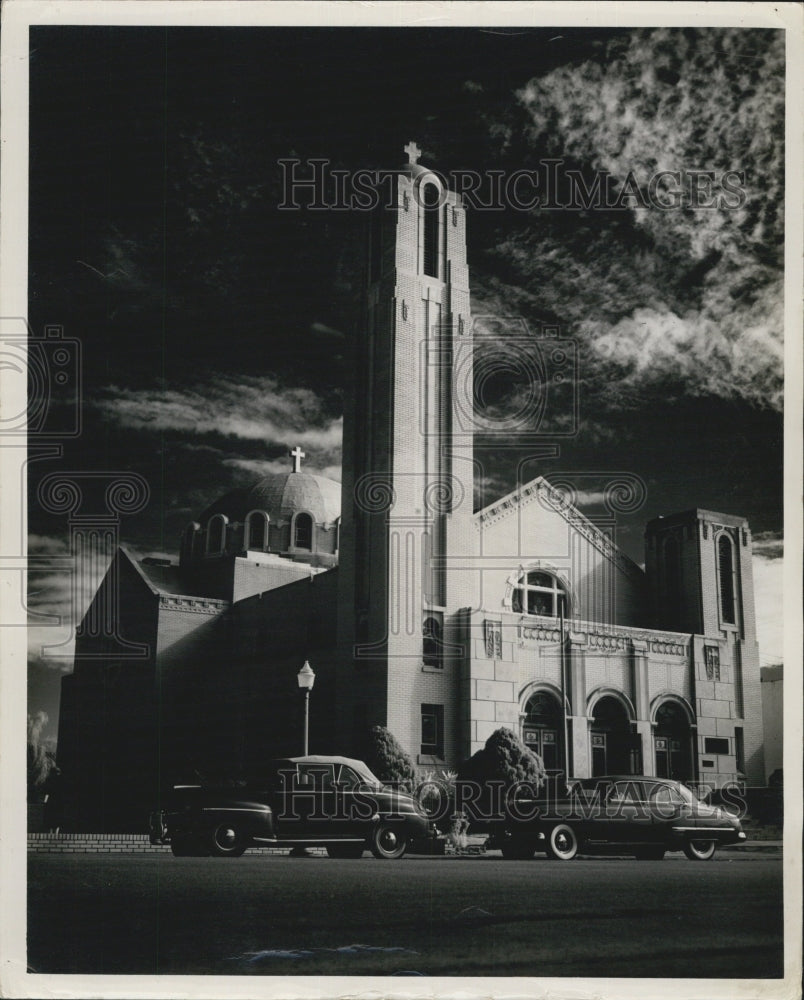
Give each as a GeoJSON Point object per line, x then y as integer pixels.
{"type": "Point", "coordinates": [643, 816]}
{"type": "Point", "coordinates": [335, 802]}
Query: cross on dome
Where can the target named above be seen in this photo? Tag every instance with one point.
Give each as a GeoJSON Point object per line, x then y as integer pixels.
{"type": "Point", "coordinates": [413, 152]}
{"type": "Point", "coordinates": [297, 455]}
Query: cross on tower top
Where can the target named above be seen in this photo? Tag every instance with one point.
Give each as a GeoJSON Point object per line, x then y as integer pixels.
{"type": "Point", "coordinates": [297, 455]}
{"type": "Point", "coordinates": [413, 152]}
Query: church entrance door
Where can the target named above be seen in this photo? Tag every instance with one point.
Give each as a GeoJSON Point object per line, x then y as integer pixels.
{"type": "Point", "coordinates": [614, 749]}
{"type": "Point", "coordinates": [543, 730]}
{"type": "Point", "coordinates": [672, 743]}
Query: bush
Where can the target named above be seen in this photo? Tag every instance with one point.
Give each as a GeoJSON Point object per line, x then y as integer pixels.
{"type": "Point", "coordinates": [383, 753]}
{"type": "Point", "coordinates": [504, 761]}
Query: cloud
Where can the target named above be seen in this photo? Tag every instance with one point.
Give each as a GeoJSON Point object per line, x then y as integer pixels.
{"type": "Point", "coordinates": [691, 296]}
{"type": "Point", "coordinates": [768, 545]}
{"type": "Point", "coordinates": [36, 723]}
{"type": "Point", "coordinates": [769, 598]}
{"type": "Point", "coordinates": [259, 467]}
{"type": "Point", "coordinates": [254, 408]}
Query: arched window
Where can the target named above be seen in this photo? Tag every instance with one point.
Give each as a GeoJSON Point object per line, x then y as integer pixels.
{"type": "Point", "coordinates": [216, 534]}
{"type": "Point", "coordinates": [188, 540]}
{"type": "Point", "coordinates": [430, 199]}
{"type": "Point", "coordinates": [431, 642]}
{"type": "Point", "coordinates": [539, 593]}
{"type": "Point", "coordinates": [672, 581]}
{"type": "Point", "coordinates": [725, 555]}
{"type": "Point", "coordinates": [303, 532]}
{"type": "Point", "coordinates": [256, 534]}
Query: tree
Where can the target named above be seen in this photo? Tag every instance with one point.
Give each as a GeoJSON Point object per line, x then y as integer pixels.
{"type": "Point", "coordinates": [383, 753]}
{"type": "Point", "coordinates": [41, 761]}
{"type": "Point", "coordinates": [504, 763]}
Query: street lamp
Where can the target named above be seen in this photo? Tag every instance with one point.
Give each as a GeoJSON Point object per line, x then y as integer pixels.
{"type": "Point", "coordinates": [306, 679]}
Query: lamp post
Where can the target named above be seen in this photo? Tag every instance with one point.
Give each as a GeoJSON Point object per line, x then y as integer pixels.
{"type": "Point", "coordinates": [306, 679]}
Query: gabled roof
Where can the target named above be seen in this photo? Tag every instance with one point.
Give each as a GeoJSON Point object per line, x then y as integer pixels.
{"type": "Point", "coordinates": [161, 579]}
{"type": "Point", "coordinates": [539, 489]}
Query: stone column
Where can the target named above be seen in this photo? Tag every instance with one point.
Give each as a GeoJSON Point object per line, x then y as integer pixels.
{"type": "Point", "coordinates": [577, 723]}
{"type": "Point", "coordinates": [639, 667]}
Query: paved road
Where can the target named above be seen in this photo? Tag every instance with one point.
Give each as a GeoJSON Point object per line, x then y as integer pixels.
{"type": "Point", "coordinates": [145, 914]}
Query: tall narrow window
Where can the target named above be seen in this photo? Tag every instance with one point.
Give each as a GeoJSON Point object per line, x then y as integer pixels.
{"type": "Point", "coordinates": [726, 567]}
{"type": "Point", "coordinates": [433, 730]}
{"type": "Point", "coordinates": [739, 748]}
{"type": "Point", "coordinates": [430, 198]}
{"type": "Point", "coordinates": [375, 258]}
{"type": "Point", "coordinates": [216, 534]}
{"type": "Point", "coordinates": [256, 530]}
{"type": "Point", "coordinates": [431, 642]}
{"type": "Point", "coordinates": [303, 532]}
{"type": "Point", "coordinates": [672, 582]}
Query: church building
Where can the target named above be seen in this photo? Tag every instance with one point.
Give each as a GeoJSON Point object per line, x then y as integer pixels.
{"type": "Point", "coordinates": [415, 610]}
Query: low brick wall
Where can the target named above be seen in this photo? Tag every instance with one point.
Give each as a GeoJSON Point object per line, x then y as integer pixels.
{"type": "Point", "coordinates": [92, 843]}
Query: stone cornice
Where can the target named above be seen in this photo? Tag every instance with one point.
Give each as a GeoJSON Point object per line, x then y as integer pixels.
{"type": "Point", "coordinates": [605, 638]}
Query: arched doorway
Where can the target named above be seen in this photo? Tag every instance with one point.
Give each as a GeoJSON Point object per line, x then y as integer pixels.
{"type": "Point", "coordinates": [543, 729]}
{"type": "Point", "coordinates": [614, 749]}
{"type": "Point", "coordinates": [672, 743]}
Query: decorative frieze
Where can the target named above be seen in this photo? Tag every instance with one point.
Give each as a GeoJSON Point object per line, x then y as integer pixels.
{"type": "Point", "coordinates": [609, 638]}
{"type": "Point", "coordinates": [195, 605]}
{"type": "Point", "coordinates": [540, 633]}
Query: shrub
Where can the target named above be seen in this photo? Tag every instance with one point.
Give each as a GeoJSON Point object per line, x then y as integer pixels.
{"type": "Point", "coordinates": [505, 761]}
{"type": "Point", "coordinates": [383, 753]}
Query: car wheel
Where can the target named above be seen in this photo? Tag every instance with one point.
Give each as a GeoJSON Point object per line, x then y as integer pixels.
{"type": "Point", "coordinates": [345, 850]}
{"type": "Point", "coordinates": [226, 841]}
{"type": "Point", "coordinates": [518, 848]}
{"type": "Point", "coordinates": [387, 842]}
{"type": "Point", "coordinates": [562, 843]}
{"type": "Point", "coordinates": [700, 850]}
{"type": "Point", "coordinates": [649, 853]}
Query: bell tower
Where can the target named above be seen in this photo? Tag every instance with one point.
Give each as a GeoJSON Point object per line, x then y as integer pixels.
{"type": "Point", "coordinates": [700, 577]}
{"type": "Point", "coordinates": [407, 463]}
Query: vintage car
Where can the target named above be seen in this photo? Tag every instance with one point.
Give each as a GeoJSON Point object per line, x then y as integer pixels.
{"type": "Point", "coordinates": [334, 802]}
{"type": "Point", "coordinates": [643, 816]}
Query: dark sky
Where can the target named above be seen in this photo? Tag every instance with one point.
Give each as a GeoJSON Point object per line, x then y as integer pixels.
{"type": "Point", "coordinates": [214, 327]}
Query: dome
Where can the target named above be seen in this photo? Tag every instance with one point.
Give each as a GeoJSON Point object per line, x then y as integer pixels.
{"type": "Point", "coordinates": [282, 495]}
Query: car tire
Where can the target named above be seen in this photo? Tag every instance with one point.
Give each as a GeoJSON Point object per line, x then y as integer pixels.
{"type": "Point", "coordinates": [700, 850]}
{"type": "Point", "coordinates": [345, 850]}
{"type": "Point", "coordinates": [562, 843]}
{"type": "Point", "coordinates": [518, 848]}
{"type": "Point", "coordinates": [387, 842]}
{"type": "Point", "coordinates": [226, 841]}
{"type": "Point", "coordinates": [649, 853]}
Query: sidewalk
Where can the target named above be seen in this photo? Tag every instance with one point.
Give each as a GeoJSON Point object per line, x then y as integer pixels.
{"type": "Point", "coordinates": [755, 845]}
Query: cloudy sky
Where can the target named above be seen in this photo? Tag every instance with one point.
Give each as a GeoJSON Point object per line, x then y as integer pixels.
{"type": "Point", "coordinates": [215, 327]}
